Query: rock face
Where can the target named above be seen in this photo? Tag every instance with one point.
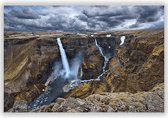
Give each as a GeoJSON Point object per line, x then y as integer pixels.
{"type": "Point", "coordinates": [151, 101]}
{"type": "Point", "coordinates": [28, 62]}
{"type": "Point", "coordinates": [138, 65]}
{"type": "Point", "coordinates": [133, 78]}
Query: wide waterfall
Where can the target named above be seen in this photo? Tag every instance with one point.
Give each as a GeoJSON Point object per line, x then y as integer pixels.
{"type": "Point", "coordinates": [64, 58]}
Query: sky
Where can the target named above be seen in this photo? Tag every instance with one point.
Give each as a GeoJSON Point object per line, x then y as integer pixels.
{"type": "Point", "coordinates": [82, 18]}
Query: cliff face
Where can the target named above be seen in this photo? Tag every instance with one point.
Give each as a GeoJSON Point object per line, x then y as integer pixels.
{"type": "Point", "coordinates": [138, 65]}
{"type": "Point", "coordinates": [151, 101]}
{"type": "Point", "coordinates": [28, 62]}
{"type": "Point", "coordinates": [132, 70]}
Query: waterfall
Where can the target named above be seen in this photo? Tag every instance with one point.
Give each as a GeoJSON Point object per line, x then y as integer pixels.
{"type": "Point", "coordinates": [56, 84]}
{"type": "Point", "coordinates": [64, 58]}
{"type": "Point", "coordinates": [106, 59]}
{"type": "Point", "coordinates": [122, 40]}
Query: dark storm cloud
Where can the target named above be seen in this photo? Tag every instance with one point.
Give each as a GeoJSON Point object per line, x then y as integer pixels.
{"type": "Point", "coordinates": [112, 18]}
{"type": "Point", "coordinates": [65, 23]}
{"type": "Point", "coordinates": [82, 18]}
{"type": "Point", "coordinates": [148, 14]}
{"type": "Point", "coordinates": [112, 22]}
{"type": "Point", "coordinates": [24, 14]}
{"type": "Point", "coordinates": [105, 11]}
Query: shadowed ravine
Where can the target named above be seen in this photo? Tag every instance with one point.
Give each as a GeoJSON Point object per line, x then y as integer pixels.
{"type": "Point", "coordinates": [67, 76]}
{"type": "Point", "coordinates": [83, 72]}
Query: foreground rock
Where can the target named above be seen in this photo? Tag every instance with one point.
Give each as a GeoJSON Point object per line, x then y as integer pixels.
{"type": "Point", "coordinates": [151, 101]}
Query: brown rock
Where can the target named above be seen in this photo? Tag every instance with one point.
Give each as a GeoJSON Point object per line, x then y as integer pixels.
{"type": "Point", "coordinates": [114, 102]}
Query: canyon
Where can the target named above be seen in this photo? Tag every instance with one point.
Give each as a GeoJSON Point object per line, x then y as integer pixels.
{"type": "Point", "coordinates": [120, 71]}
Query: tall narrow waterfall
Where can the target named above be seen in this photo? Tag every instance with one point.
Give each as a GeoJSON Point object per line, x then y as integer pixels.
{"type": "Point", "coordinates": [64, 58]}
{"type": "Point", "coordinates": [57, 85]}
{"type": "Point", "coordinates": [106, 59]}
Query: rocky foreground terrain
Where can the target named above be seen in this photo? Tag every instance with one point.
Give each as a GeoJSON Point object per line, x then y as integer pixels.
{"type": "Point", "coordinates": [133, 80]}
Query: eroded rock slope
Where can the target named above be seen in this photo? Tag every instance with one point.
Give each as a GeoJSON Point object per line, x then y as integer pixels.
{"type": "Point", "coordinates": [133, 80]}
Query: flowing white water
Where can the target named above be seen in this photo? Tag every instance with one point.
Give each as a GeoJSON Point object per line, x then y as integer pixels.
{"type": "Point", "coordinates": [57, 84]}
{"type": "Point", "coordinates": [106, 59]}
{"type": "Point", "coordinates": [64, 58]}
{"type": "Point", "coordinates": [56, 88]}
{"type": "Point", "coordinates": [108, 35]}
{"type": "Point", "coordinates": [122, 40]}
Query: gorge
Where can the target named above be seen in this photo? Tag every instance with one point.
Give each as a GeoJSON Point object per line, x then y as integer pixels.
{"type": "Point", "coordinates": [100, 71]}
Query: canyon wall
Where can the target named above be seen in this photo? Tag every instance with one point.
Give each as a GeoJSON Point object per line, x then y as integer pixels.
{"type": "Point", "coordinates": [133, 70]}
